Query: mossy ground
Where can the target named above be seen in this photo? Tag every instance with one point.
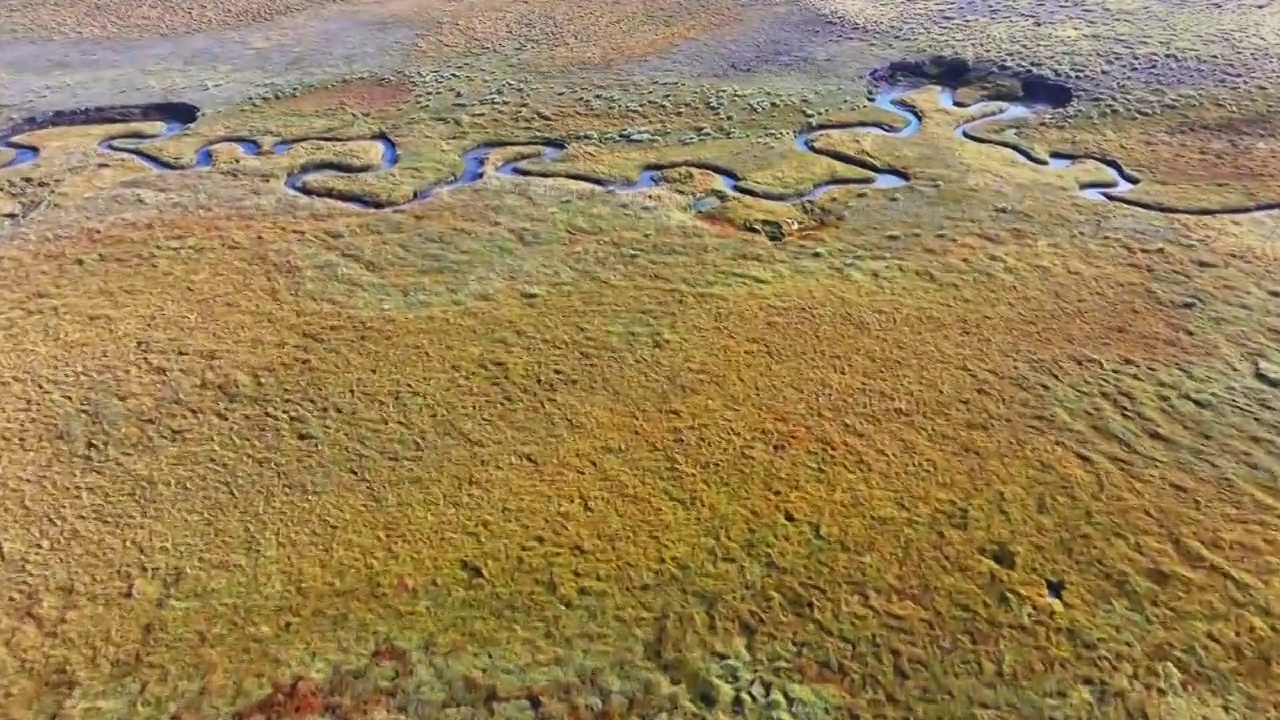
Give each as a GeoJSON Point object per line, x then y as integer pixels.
{"type": "Point", "coordinates": [974, 447]}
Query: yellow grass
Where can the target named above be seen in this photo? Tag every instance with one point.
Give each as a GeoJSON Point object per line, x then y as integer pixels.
{"type": "Point", "coordinates": [974, 447]}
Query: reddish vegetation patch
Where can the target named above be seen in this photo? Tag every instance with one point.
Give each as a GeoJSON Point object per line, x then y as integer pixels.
{"type": "Point", "coordinates": [722, 227]}
{"type": "Point", "coordinates": [305, 698]}
{"type": "Point", "coordinates": [299, 699]}
{"type": "Point", "coordinates": [364, 96]}
{"type": "Point", "coordinates": [388, 654]}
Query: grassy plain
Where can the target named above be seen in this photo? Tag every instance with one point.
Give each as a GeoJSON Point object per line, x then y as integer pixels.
{"type": "Point", "coordinates": [976, 447]}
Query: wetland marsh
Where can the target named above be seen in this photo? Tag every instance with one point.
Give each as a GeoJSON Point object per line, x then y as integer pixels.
{"type": "Point", "coordinates": [453, 376]}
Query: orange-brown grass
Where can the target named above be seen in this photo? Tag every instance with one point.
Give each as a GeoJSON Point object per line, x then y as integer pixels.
{"type": "Point", "coordinates": [220, 477]}
{"type": "Point", "coordinates": [606, 447]}
{"type": "Point", "coordinates": [546, 34]}
{"type": "Point", "coordinates": [1205, 155]}
{"type": "Point", "coordinates": [366, 96]}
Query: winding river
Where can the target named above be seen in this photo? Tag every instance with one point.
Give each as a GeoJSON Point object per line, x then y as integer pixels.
{"type": "Point", "coordinates": [476, 165]}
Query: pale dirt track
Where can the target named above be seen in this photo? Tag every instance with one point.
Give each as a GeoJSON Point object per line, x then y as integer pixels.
{"type": "Point", "coordinates": [214, 68]}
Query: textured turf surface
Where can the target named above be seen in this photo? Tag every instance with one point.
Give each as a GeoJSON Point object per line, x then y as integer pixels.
{"type": "Point", "coordinates": [975, 447]}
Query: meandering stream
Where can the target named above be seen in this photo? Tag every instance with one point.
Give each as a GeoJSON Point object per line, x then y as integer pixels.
{"type": "Point", "coordinates": [178, 118]}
